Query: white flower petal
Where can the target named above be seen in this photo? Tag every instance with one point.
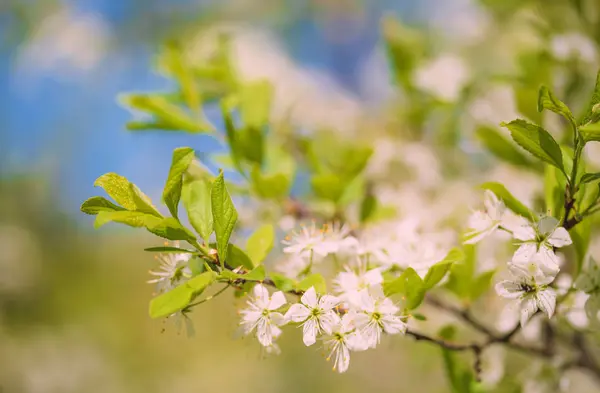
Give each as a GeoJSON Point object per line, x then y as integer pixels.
{"type": "Point", "coordinates": [525, 253]}
{"type": "Point", "coordinates": [560, 238]}
{"type": "Point", "coordinates": [393, 324]}
{"type": "Point", "coordinates": [261, 295]}
{"type": "Point", "coordinates": [310, 298]}
{"type": "Point", "coordinates": [509, 289]}
{"type": "Point", "coordinates": [277, 318]}
{"type": "Point", "coordinates": [524, 233]}
{"type": "Point", "coordinates": [297, 313]}
{"type": "Point", "coordinates": [548, 263]}
{"type": "Point", "coordinates": [528, 308]}
{"type": "Point", "coordinates": [310, 329]}
{"type": "Point", "coordinates": [327, 302]}
{"type": "Point", "coordinates": [546, 301]}
{"type": "Point", "coordinates": [547, 224]}
{"type": "Point", "coordinates": [329, 321]}
{"type": "Point", "coordinates": [277, 300]}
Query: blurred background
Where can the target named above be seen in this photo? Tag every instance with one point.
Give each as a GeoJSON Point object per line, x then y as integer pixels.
{"type": "Point", "coordinates": [73, 301]}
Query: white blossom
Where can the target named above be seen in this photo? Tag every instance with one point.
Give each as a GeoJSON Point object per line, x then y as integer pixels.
{"type": "Point", "coordinates": [589, 283]}
{"type": "Point", "coordinates": [538, 244]}
{"type": "Point", "coordinates": [338, 239]}
{"type": "Point", "coordinates": [173, 270]}
{"type": "Point", "coordinates": [444, 77]}
{"type": "Point", "coordinates": [574, 45]}
{"type": "Point", "coordinates": [262, 315]}
{"type": "Point", "coordinates": [310, 241]}
{"type": "Point", "coordinates": [529, 285]}
{"type": "Point", "coordinates": [376, 315]}
{"type": "Point", "coordinates": [343, 339]}
{"type": "Point", "coordinates": [484, 223]}
{"type": "Point", "coordinates": [349, 282]}
{"type": "Point", "coordinates": [316, 313]}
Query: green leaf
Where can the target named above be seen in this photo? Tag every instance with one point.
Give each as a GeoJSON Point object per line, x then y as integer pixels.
{"type": "Point", "coordinates": [554, 186]}
{"type": "Point", "coordinates": [314, 280]}
{"type": "Point", "coordinates": [328, 186]}
{"type": "Point", "coordinates": [408, 284]}
{"type": "Point", "coordinates": [175, 62]}
{"type": "Point", "coordinates": [182, 158]}
{"type": "Point", "coordinates": [509, 200]}
{"type": "Point", "coordinates": [405, 47]}
{"type": "Point", "coordinates": [592, 115]}
{"type": "Point", "coordinates": [237, 257]}
{"type": "Point", "coordinates": [197, 201]}
{"type": "Point", "coordinates": [126, 194]}
{"type": "Point", "coordinates": [97, 204]}
{"type": "Point", "coordinates": [368, 207]}
{"type": "Point", "coordinates": [537, 141]}
{"type": "Point", "coordinates": [181, 296]}
{"type": "Point", "coordinates": [258, 274]}
{"type": "Point", "coordinates": [235, 147]}
{"type": "Point", "coordinates": [547, 100]}
{"type": "Point", "coordinates": [481, 284]}
{"type": "Point", "coordinates": [224, 215]}
{"type": "Point", "coordinates": [169, 228]}
{"type": "Point", "coordinates": [419, 317]}
{"type": "Point", "coordinates": [274, 186]}
{"type": "Point", "coordinates": [166, 250]}
{"type": "Point", "coordinates": [252, 144]}
{"type": "Point", "coordinates": [282, 282]}
{"type": "Point", "coordinates": [133, 219]}
{"type": "Point", "coordinates": [437, 272]}
{"type": "Point", "coordinates": [255, 103]}
{"type": "Point", "coordinates": [165, 113]}
{"type": "Point", "coordinates": [590, 177]}
{"type": "Point", "coordinates": [260, 243]}
{"type": "Point", "coordinates": [590, 132]}
{"type": "Point", "coordinates": [461, 273]}
{"type": "Point", "coordinates": [501, 147]}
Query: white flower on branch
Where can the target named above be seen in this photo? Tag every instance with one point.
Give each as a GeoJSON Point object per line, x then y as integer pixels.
{"type": "Point", "coordinates": [172, 271]}
{"type": "Point", "coordinates": [310, 241]}
{"type": "Point", "coordinates": [262, 315]}
{"type": "Point", "coordinates": [316, 313]}
{"type": "Point", "coordinates": [338, 239]}
{"type": "Point", "coordinates": [375, 315]}
{"type": "Point", "coordinates": [529, 285]}
{"type": "Point", "coordinates": [341, 341]}
{"type": "Point", "coordinates": [484, 223]}
{"type": "Point", "coordinates": [538, 244]}
{"type": "Point", "coordinates": [349, 282]}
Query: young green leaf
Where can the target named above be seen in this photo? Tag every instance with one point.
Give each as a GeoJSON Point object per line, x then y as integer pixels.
{"type": "Point", "coordinates": [169, 228]}
{"type": "Point", "coordinates": [314, 280]}
{"type": "Point", "coordinates": [132, 219]}
{"type": "Point", "coordinates": [181, 296]}
{"type": "Point", "coordinates": [328, 186]}
{"type": "Point", "coordinates": [235, 146]}
{"type": "Point", "coordinates": [481, 284]}
{"type": "Point", "coordinates": [237, 257]}
{"type": "Point", "coordinates": [224, 215]}
{"type": "Point", "coordinates": [537, 141]}
{"type": "Point", "coordinates": [581, 235]}
{"type": "Point", "coordinates": [282, 282]}
{"type": "Point", "coordinates": [126, 194]}
{"type": "Point", "coordinates": [257, 274]}
{"type": "Point", "coordinates": [590, 132]}
{"type": "Point", "coordinates": [266, 186]}
{"type": "Point", "coordinates": [509, 200]}
{"type": "Point", "coordinates": [182, 158]}
{"type": "Point", "coordinates": [166, 250]}
{"type": "Point", "coordinates": [501, 147]}
{"type": "Point", "coordinates": [437, 272]}
{"type": "Point", "coordinates": [197, 201]}
{"type": "Point", "coordinates": [547, 100]}
{"type": "Point", "coordinates": [97, 204]}
{"type": "Point", "coordinates": [408, 284]}
{"type": "Point", "coordinates": [260, 243]}
{"type": "Point", "coordinates": [255, 103]}
{"type": "Point", "coordinates": [590, 177]}
{"type": "Point", "coordinates": [591, 115]}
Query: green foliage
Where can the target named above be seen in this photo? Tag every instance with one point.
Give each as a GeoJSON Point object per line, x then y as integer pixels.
{"type": "Point", "coordinates": [126, 194]}
{"type": "Point", "coordinates": [182, 158]}
{"type": "Point", "coordinates": [314, 280]}
{"type": "Point", "coordinates": [537, 141]}
{"type": "Point", "coordinates": [408, 284]}
{"type": "Point", "coordinates": [169, 228]}
{"type": "Point", "coordinates": [282, 282]}
{"type": "Point", "coordinates": [260, 243]}
{"type": "Point", "coordinates": [592, 115]}
{"type": "Point", "coordinates": [328, 186]}
{"type": "Point", "coordinates": [255, 103]}
{"type": "Point", "coordinates": [554, 191]}
{"type": "Point", "coordinates": [405, 49]}
{"type": "Point", "coordinates": [509, 200]}
{"type": "Point", "coordinates": [237, 257]}
{"type": "Point", "coordinates": [464, 281]}
{"type": "Point", "coordinates": [167, 249]}
{"type": "Point", "coordinates": [97, 204]}
{"type": "Point", "coordinates": [196, 196]}
{"type": "Point", "coordinates": [590, 177]}
{"type": "Point", "coordinates": [501, 147]}
{"type": "Point", "coordinates": [181, 296]}
{"type": "Point", "coordinates": [581, 235]}
{"type": "Point", "coordinates": [224, 215]}
{"type": "Point", "coordinates": [590, 132]}
{"type": "Point", "coordinates": [165, 115]}
{"type": "Point", "coordinates": [438, 271]}
{"type": "Point", "coordinates": [547, 100]}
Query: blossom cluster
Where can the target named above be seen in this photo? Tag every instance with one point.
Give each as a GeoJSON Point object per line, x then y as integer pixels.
{"type": "Point", "coordinates": [352, 318]}
{"type": "Point", "coordinates": [534, 265]}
